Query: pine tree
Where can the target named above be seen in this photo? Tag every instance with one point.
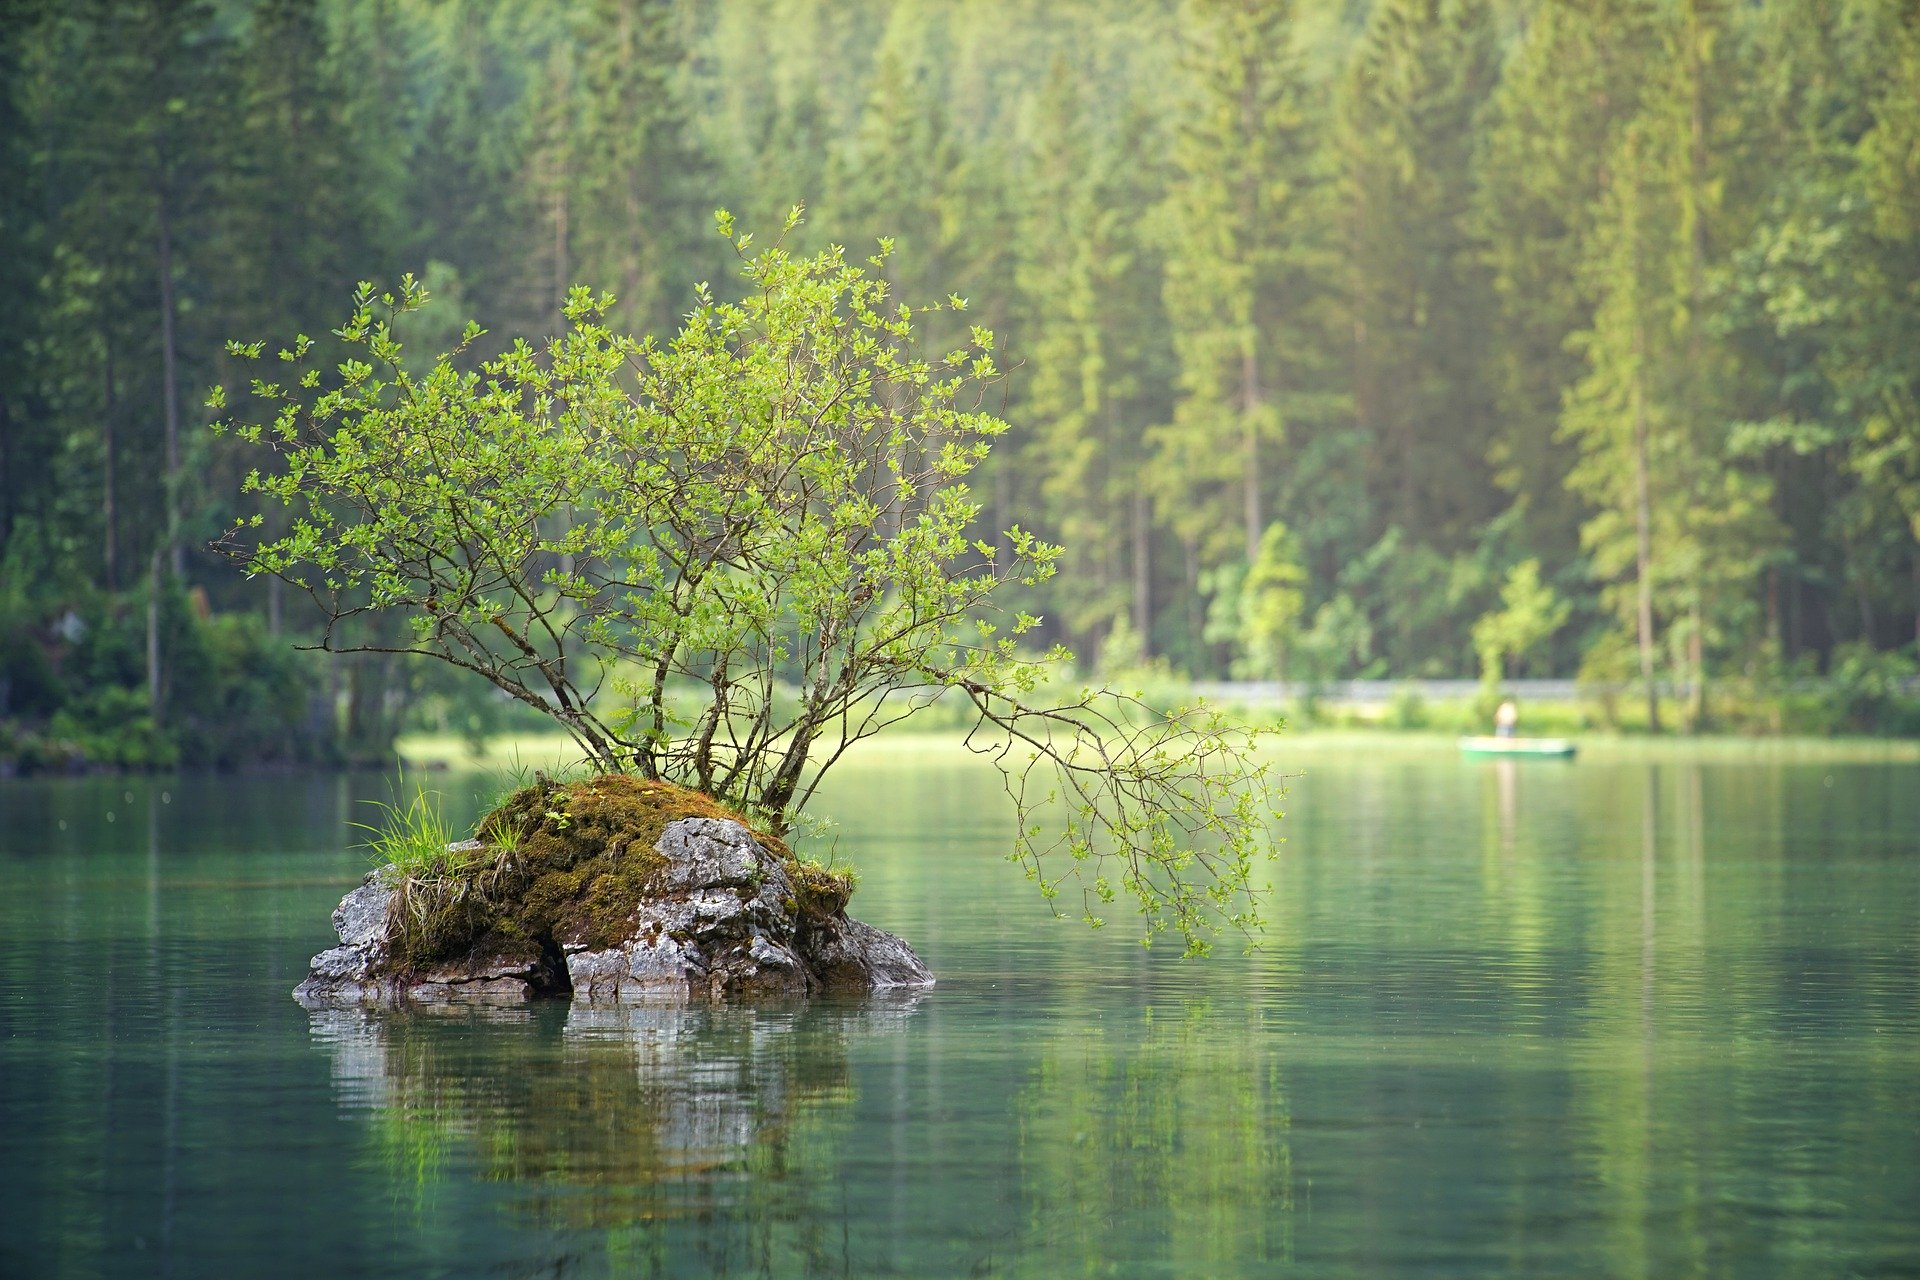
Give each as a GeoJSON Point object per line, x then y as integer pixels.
{"type": "Point", "coordinates": [1653, 414]}
{"type": "Point", "coordinates": [1419, 298]}
{"type": "Point", "coordinates": [1242, 279]}
{"type": "Point", "coordinates": [638, 219]}
{"type": "Point", "coordinates": [1095, 350]}
{"type": "Point", "coordinates": [1567, 87]}
{"type": "Point", "coordinates": [1880, 378]}
{"type": "Point", "coordinates": [27, 445]}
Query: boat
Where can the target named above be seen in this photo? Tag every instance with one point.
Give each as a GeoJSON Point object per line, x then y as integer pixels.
{"type": "Point", "coordinates": [1549, 748]}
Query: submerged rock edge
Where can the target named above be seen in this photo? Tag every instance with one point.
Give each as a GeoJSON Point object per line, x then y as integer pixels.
{"type": "Point", "coordinates": [728, 925]}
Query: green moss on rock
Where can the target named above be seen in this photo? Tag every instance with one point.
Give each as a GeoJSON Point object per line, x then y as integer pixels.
{"type": "Point", "coordinates": [566, 863]}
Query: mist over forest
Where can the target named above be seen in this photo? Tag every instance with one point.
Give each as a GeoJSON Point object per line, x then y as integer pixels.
{"type": "Point", "coordinates": [1403, 339]}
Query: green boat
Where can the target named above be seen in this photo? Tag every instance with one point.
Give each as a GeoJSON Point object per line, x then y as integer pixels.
{"type": "Point", "coordinates": [1552, 748]}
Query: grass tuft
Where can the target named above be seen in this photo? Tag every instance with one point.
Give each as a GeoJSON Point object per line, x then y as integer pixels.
{"type": "Point", "coordinates": [410, 840]}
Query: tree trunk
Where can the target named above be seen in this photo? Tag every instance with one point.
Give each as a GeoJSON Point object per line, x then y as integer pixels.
{"type": "Point", "coordinates": [1196, 625]}
{"type": "Point", "coordinates": [1642, 495]}
{"type": "Point", "coordinates": [1696, 661]}
{"type": "Point", "coordinates": [1250, 403]}
{"type": "Point", "coordinates": [1250, 417]}
{"type": "Point", "coordinates": [109, 517]}
{"type": "Point", "coordinates": [153, 636]}
{"type": "Point", "coordinates": [169, 386]}
{"type": "Point", "coordinates": [1143, 574]}
{"type": "Point", "coordinates": [562, 269]}
{"type": "Point", "coordinates": [1696, 309]}
{"type": "Point", "coordinates": [1643, 543]}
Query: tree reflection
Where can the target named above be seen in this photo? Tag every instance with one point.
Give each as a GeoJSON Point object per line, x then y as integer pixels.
{"type": "Point", "coordinates": [613, 1125]}
{"type": "Point", "coordinates": [1163, 1138]}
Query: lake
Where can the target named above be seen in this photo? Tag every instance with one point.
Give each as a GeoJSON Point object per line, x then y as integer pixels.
{"type": "Point", "coordinates": [1653, 1013]}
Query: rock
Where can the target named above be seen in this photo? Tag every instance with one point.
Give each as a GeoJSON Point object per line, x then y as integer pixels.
{"type": "Point", "coordinates": [353, 972]}
{"type": "Point", "coordinates": [856, 954]}
{"type": "Point", "coordinates": [361, 917]}
{"type": "Point", "coordinates": [721, 917]}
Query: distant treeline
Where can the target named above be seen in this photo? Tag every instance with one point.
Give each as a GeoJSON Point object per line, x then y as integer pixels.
{"type": "Point", "coordinates": [1404, 338]}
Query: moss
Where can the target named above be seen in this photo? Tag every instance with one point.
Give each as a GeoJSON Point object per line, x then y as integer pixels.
{"type": "Point", "coordinates": [567, 862]}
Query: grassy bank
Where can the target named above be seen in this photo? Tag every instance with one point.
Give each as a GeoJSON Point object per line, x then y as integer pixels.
{"type": "Point", "coordinates": [508, 753]}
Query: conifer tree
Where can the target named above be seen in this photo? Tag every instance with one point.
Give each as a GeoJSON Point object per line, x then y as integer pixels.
{"type": "Point", "coordinates": [642, 191]}
{"type": "Point", "coordinates": [1881, 379]}
{"type": "Point", "coordinates": [1652, 416]}
{"type": "Point", "coordinates": [1095, 346]}
{"type": "Point", "coordinates": [1418, 293]}
{"type": "Point", "coordinates": [1237, 273]}
{"type": "Point", "coordinates": [1243, 278]}
{"type": "Point", "coordinates": [1568, 84]}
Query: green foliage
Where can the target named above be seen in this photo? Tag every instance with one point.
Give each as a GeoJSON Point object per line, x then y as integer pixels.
{"type": "Point", "coordinates": [723, 559]}
{"type": "Point", "coordinates": [1432, 283]}
{"type": "Point", "coordinates": [1529, 614]}
{"type": "Point", "coordinates": [1272, 596]}
{"type": "Point", "coordinates": [75, 687]}
{"type": "Point", "coordinates": [1244, 243]}
{"type": "Point", "coordinates": [1339, 643]}
{"type": "Point", "coordinates": [1408, 710]}
{"type": "Point", "coordinates": [1876, 692]}
{"type": "Point", "coordinates": [779, 493]}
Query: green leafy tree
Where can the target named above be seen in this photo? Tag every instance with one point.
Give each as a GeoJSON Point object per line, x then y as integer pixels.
{"type": "Point", "coordinates": [1530, 612]}
{"type": "Point", "coordinates": [638, 180]}
{"type": "Point", "coordinates": [1272, 598]}
{"type": "Point", "coordinates": [771, 557]}
{"type": "Point", "coordinates": [1879, 375]}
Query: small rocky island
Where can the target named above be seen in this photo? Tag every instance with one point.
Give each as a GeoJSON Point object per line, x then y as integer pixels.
{"type": "Point", "coordinates": [614, 889]}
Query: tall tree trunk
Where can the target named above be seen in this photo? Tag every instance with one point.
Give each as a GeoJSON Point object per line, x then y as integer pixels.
{"type": "Point", "coordinates": [562, 268]}
{"type": "Point", "coordinates": [1696, 309]}
{"type": "Point", "coordinates": [1643, 538]}
{"type": "Point", "coordinates": [1696, 662]}
{"type": "Point", "coordinates": [1915, 574]}
{"type": "Point", "coordinates": [169, 385]}
{"type": "Point", "coordinates": [153, 635]}
{"type": "Point", "coordinates": [1196, 625]}
{"type": "Point", "coordinates": [1143, 574]}
{"type": "Point", "coordinates": [1775, 628]}
{"type": "Point", "coordinates": [109, 517]}
{"type": "Point", "coordinates": [1250, 403]}
{"type": "Point", "coordinates": [1642, 482]}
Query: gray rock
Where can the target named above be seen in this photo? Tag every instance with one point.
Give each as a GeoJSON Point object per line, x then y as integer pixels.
{"type": "Point", "coordinates": [725, 923]}
{"type": "Point", "coordinates": [353, 972]}
{"type": "Point", "coordinates": [709, 851]}
{"type": "Point", "coordinates": [361, 917]}
{"type": "Point", "coordinates": [856, 955]}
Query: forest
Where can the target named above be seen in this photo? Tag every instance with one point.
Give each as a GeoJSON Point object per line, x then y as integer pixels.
{"type": "Point", "coordinates": [1345, 338]}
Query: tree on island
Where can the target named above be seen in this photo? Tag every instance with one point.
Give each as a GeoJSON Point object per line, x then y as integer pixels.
{"type": "Point", "coordinates": [723, 559]}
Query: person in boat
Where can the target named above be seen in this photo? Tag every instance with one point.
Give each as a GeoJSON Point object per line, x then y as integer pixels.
{"type": "Point", "coordinates": [1506, 719]}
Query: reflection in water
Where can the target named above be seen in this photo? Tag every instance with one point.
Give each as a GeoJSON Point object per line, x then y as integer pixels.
{"type": "Point", "coordinates": [1634, 1017]}
{"type": "Point", "coordinates": [1158, 1146]}
{"type": "Point", "coordinates": [621, 1120]}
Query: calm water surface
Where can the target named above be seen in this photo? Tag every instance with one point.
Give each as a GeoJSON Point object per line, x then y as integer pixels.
{"type": "Point", "coordinates": [1625, 1017]}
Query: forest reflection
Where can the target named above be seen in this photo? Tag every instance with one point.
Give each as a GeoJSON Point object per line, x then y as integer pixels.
{"type": "Point", "coordinates": [1505, 1017]}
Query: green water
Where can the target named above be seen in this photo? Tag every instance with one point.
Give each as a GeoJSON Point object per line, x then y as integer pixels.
{"type": "Point", "coordinates": [1624, 1017]}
